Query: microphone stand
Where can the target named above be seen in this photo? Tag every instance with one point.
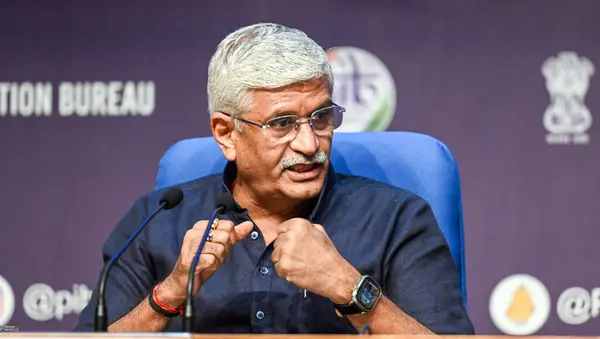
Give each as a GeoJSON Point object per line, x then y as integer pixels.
{"type": "Point", "coordinates": [101, 318]}
{"type": "Point", "coordinates": [188, 317]}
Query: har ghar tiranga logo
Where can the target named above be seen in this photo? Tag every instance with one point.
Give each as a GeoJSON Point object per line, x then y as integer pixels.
{"type": "Point", "coordinates": [365, 87]}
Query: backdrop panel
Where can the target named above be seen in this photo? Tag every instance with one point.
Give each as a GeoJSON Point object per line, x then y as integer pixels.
{"type": "Point", "coordinates": [92, 93]}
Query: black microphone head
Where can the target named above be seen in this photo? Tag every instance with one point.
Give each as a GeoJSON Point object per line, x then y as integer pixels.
{"type": "Point", "coordinates": [171, 198]}
{"type": "Point", "coordinates": [225, 202]}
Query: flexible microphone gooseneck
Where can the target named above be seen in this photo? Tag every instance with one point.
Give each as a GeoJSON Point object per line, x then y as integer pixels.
{"type": "Point", "coordinates": [169, 200]}
{"type": "Point", "coordinates": [224, 204]}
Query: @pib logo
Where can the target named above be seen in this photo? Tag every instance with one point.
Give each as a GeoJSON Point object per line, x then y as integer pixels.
{"type": "Point", "coordinates": [576, 305]}
{"type": "Point", "coordinates": [42, 303]}
{"type": "Point", "coordinates": [7, 302]}
{"type": "Point", "coordinates": [519, 305]}
{"type": "Point", "coordinates": [365, 87]}
{"type": "Point", "coordinates": [567, 118]}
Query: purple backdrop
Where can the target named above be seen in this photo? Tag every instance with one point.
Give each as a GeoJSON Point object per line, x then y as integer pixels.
{"type": "Point", "coordinates": [467, 72]}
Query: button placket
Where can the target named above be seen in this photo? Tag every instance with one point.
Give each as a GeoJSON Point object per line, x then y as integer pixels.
{"type": "Point", "coordinates": [261, 280]}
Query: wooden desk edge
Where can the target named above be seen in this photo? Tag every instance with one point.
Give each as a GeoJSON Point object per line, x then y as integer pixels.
{"type": "Point", "coordinates": [74, 335]}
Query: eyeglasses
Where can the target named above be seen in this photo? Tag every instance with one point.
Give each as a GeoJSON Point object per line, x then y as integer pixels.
{"type": "Point", "coordinates": [285, 128]}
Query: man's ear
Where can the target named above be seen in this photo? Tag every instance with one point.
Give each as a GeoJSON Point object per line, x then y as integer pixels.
{"type": "Point", "coordinates": [222, 128]}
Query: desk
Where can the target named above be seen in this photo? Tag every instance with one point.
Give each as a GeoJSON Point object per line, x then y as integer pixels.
{"type": "Point", "coordinates": [70, 335]}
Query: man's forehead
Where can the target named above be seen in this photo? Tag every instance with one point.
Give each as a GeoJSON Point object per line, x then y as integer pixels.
{"type": "Point", "coordinates": [301, 86]}
{"type": "Point", "coordinates": [292, 100]}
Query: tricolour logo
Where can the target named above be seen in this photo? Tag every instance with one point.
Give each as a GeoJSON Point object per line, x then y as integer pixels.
{"type": "Point", "coordinates": [365, 87]}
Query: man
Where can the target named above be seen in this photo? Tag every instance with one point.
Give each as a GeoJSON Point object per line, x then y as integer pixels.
{"type": "Point", "coordinates": [305, 239]}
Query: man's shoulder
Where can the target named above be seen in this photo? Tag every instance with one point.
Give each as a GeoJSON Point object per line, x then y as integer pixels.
{"type": "Point", "coordinates": [369, 189]}
{"type": "Point", "coordinates": [192, 190]}
{"type": "Point", "coordinates": [198, 199]}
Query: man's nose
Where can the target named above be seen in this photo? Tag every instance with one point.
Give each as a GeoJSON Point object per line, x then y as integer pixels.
{"type": "Point", "coordinates": [306, 141]}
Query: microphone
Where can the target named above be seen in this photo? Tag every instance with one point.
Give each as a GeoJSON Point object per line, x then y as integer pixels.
{"type": "Point", "coordinates": [169, 200]}
{"type": "Point", "coordinates": [224, 204]}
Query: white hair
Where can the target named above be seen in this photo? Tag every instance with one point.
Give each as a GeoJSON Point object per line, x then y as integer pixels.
{"type": "Point", "coordinates": [262, 56]}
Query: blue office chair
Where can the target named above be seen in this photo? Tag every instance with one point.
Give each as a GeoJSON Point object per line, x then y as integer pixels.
{"type": "Point", "coordinates": [416, 162]}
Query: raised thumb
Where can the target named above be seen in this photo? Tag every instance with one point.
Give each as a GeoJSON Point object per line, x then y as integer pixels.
{"type": "Point", "coordinates": [243, 230]}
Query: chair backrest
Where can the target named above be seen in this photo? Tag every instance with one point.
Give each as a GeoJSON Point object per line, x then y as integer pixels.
{"type": "Point", "coordinates": [416, 162]}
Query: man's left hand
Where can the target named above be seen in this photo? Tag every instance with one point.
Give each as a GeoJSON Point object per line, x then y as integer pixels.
{"type": "Point", "coordinates": [305, 256]}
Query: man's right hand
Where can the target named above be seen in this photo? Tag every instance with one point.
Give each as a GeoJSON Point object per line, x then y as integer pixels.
{"type": "Point", "coordinates": [172, 291]}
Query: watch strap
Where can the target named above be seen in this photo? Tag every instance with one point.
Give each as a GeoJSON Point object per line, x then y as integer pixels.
{"type": "Point", "coordinates": [347, 309]}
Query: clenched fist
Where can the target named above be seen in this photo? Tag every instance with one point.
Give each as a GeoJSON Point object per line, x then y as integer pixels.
{"type": "Point", "coordinates": [305, 256]}
{"type": "Point", "coordinates": [213, 255]}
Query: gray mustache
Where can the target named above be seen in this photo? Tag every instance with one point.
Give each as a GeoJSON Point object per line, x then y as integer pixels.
{"type": "Point", "coordinates": [318, 158]}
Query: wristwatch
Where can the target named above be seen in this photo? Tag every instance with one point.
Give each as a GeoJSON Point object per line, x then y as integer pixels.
{"type": "Point", "coordinates": [365, 295]}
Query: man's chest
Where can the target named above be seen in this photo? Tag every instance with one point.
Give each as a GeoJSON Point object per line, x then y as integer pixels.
{"type": "Point", "coordinates": [247, 295]}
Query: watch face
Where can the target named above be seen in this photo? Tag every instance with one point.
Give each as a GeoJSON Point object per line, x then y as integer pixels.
{"type": "Point", "coordinates": [368, 293]}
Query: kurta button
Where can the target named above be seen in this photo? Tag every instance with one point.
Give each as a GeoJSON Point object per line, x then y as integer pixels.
{"type": "Point", "coordinates": [260, 315]}
{"type": "Point", "coordinates": [264, 270]}
{"type": "Point", "coordinates": [254, 235]}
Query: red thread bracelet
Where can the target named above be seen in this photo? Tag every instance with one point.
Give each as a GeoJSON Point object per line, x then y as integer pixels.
{"type": "Point", "coordinates": [165, 306]}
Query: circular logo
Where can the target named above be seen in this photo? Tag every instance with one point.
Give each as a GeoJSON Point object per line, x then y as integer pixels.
{"type": "Point", "coordinates": [364, 86]}
{"type": "Point", "coordinates": [38, 302]}
{"type": "Point", "coordinates": [573, 306]}
{"type": "Point", "coordinates": [7, 302]}
{"type": "Point", "coordinates": [519, 305]}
